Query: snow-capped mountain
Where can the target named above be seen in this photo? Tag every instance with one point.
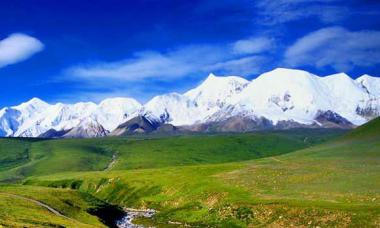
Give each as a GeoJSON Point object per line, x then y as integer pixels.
{"type": "Point", "coordinates": [295, 95]}
{"type": "Point", "coordinates": [113, 111]}
{"type": "Point", "coordinates": [175, 108]}
{"type": "Point", "coordinates": [215, 92]}
{"type": "Point", "coordinates": [197, 104]}
{"type": "Point", "coordinates": [35, 117]}
{"type": "Point", "coordinates": [281, 98]}
{"type": "Point", "coordinates": [370, 84]}
{"type": "Point", "coordinates": [87, 128]}
{"type": "Point", "coordinates": [59, 117]}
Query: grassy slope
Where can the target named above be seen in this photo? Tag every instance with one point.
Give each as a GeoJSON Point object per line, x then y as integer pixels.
{"type": "Point", "coordinates": [331, 184]}
{"type": "Point", "coordinates": [190, 150]}
{"type": "Point", "coordinates": [20, 158]}
{"type": "Point", "coordinates": [335, 184]}
{"type": "Point", "coordinates": [13, 152]}
{"type": "Point", "coordinates": [16, 212]}
{"type": "Point", "coordinates": [346, 170]}
{"type": "Point", "coordinates": [55, 156]}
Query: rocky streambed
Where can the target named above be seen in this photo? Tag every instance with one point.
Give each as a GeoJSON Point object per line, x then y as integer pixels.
{"type": "Point", "coordinates": [131, 214]}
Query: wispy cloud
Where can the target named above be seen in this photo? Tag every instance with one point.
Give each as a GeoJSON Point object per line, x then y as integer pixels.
{"type": "Point", "coordinates": [253, 45]}
{"type": "Point", "coordinates": [18, 47]}
{"type": "Point", "coordinates": [141, 91]}
{"type": "Point", "coordinates": [280, 11]}
{"type": "Point", "coordinates": [245, 66]}
{"type": "Point", "coordinates": [336, 47]}
{"type": "Point", "coordinates": [177, 63]}
{"type": "Point", "coordinates": [150, 65]}
{"type": "Point", "coordinates": [147, 73]}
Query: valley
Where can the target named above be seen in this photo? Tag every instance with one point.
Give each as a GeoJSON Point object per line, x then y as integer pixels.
{"type": "Point", "coordinates": [190, 114]}
{"type": "Point", "coordinates": [299, 177]}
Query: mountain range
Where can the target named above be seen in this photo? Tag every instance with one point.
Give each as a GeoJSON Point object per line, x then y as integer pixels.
{"type": "Point", "coordinates": [279, 99]}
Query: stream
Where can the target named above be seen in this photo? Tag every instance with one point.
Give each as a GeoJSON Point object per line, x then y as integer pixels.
{"type": "Point", "coordinates": [131, 214]}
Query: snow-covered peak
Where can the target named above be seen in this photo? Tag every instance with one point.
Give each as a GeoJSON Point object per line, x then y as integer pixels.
{"type": "Point", "coordinates": [87, 128]}
{"type": "Point", "coordinates": [32, 105]}
{"type": "Point", "coordinates": [166, 98]}
{"type": "Point", "coordinates": [211, 77]}
{"type": "Point", "coordinates": [284, 94]}
{"type": "Point", "coordinates": [125, 102]}
{"type": "Point", "coordinates": [29, 112]}
{"type": "Point", "coordinates": [216, 91]}
{"type": "Point", "coordinates": [284, 74]}
{"type": "Point", "coordinates": [340, 75]}
{"type": "Point", "coordinates": [113, 111]}
{"type": "Point", "coordinates": [221, 80]}
{"type": "Point", "coordinates": [345, 96]}
{"type": "Point", "coordinates": [85, 105]}
{"type": "Point", "coordinates": [172, 108]}
{"type": "Point", "coordinates": [367, 77]}
{"type": "Point", "coordinates": [37, 117]}
{"type": "Point", "coordinates": [341, 81]}
{"type": "Point", "coordinates": [370, 84]}
{"type": "Point", "coordinates": [342, 85]}
{"type": "Point", "coordinates": [279, 95]}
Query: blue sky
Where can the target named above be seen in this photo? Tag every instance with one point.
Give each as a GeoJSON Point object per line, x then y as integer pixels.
{"type": "Point", "coordinates": [73, 51]}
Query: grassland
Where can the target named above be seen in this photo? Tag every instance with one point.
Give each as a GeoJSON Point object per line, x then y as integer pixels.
{"type": "Point", "coordinates": [17, 211]}
{"type": "Point", "coordinates": [13, 152]}
{"type": "Point", "coordinates": [221, 180]}
{"type": "Point", "coordinates": [22, 158]}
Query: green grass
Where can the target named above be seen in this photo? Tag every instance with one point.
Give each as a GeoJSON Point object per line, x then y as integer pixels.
{"type": "Point", "coordinates": [18, 212]}
{"type": "Point", "coordinates": [53, 156]}
{"type": "Point", "coordinates": [13, 152]}
{"type": "Point", "coordinates": [23, 158]}
{"type": "Point", "coordinates": [369, 130]}
{"type": "Point", "coordinates": [190, 150]}
{"type": "Point", "coordinates": [234, 180]}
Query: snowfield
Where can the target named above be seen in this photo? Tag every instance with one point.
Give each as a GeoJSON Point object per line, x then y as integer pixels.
{"type": "Point", "coordinates": [279, 95]}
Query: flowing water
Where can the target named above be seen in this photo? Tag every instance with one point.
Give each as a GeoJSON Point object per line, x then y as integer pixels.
{"type": "Point", "coordinates": [131, 214]}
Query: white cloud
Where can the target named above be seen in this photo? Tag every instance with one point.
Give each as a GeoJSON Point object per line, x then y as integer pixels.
{"type": "Point", "coordinates": [176, 63]}
{"type": "Point", "coordinates": [280, 11]}
{"type": "Point", "coordinates": [148, 73]}
{"type": "Point", "coordinates": [253, 45]}
{"type": "Point", "coordinates": [141, 66]}
{"type": "Point", "coordinates": [335, 47]}
{"type": "Point", "coordinates": [18, 47]}
{"type": "Point", "coordinates": [242, 66]}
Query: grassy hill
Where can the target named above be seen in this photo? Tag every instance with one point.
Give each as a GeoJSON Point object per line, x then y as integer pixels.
{"type": "Point", "coordinates": [225, 180]}
{"type": "Point", "coordinates": [22, 158]}
{"type": "Point", "coordinates": [13, 152]}
{"type": "Point", "coordinates": [52, 156]}
{"type": "Point", "coordinates": [366, 131]}
{"type": "Point", "coordinates": [77, 209]}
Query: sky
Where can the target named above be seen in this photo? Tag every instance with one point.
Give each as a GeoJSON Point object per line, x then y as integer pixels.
{"type": "Point", "coordinates": [70, 51]}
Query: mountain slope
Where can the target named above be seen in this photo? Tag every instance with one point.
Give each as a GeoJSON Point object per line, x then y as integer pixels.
{"type": "Point", "coordinates": [294, 95]}
{"type": "Point", "coordinates": [138, 124]}
{"type": "Point", "coordinates": [172, 108]}
{"type": "Point", "coordinates": [282, 98]}
{"type": "Point", "coordinates": [331, 184]}
{"type": "Point", "coordinates": [216, 91]}
{"type": "Point", "coordinates": [87, 128]}
{"type": "Point", "coordinates": [113, 111]}
{"type": "Point", "coordinates": [370, 130]}
{"type": "Point", "coordinates": [35, 117]}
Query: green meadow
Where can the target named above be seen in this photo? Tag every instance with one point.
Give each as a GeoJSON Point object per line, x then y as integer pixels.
{"type": "Point", "coordinates": [301, 178]}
